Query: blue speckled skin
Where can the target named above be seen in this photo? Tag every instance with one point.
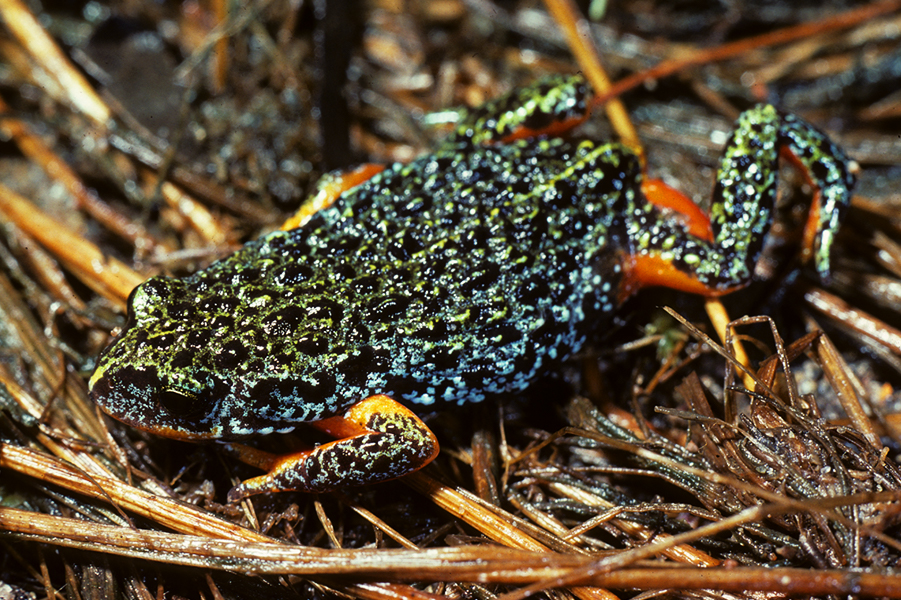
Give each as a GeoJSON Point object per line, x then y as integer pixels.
{"type": "Point", "coordinates": [462, 275]}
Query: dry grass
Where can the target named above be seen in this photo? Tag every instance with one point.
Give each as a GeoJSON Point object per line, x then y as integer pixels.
{"type": "Point", "coordinates": [674, 470]}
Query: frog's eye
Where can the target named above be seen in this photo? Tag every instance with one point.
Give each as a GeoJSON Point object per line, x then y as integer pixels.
{"type": "Point", "coordinates": [179, 403]}
{"type": "Point", "coordinates": [151, 298]}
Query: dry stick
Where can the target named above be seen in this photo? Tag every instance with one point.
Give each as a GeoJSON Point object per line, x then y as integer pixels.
{"type": "Point", "coordinates": [856, 319]}
{"type": "Point", "coordinates": [197, 215]}
{"type": "Point", "coordinates": [208, 535]}
{"type": "Point", "coordinates": [166, 511]}
{"type": "Point", "coordinates": [718, 316]}
{"type": "Point", "coordinates": [56, 168]}
{"type": "Point", "coordinates": [220, 52]}
{"type": "Point", "coordinates": [107, 276]}
{"type": "Point", "coordinates": [777, 505]}
{"type": "Point", "coordinates": [578, 36]}
{"type": "Point", "coordinates": [791, 581]}
{"type": "Point", "coordinates": [262, 556]}
{"type": "Point", "coordinates": [447, 564]}
{"type": "Point", "coordinates": [840, 376]}
{"type": "Point", "coordinates": [79, 94]}
{"type": "Point", "coordinates": [489, 523]}
{"type": "Point", "coordinates": [781, 36]}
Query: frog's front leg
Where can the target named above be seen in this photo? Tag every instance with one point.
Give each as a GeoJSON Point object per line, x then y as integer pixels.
{"type": "Point", "coordinates": [742, 207]}
{"type": "Point", "coordinates": [379, 440]}
{"type": "Point", "coordinates": [328, 190]}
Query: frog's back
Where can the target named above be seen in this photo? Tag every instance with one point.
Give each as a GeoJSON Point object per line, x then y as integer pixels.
{"type": "Point", "coordinates": [460, 275]}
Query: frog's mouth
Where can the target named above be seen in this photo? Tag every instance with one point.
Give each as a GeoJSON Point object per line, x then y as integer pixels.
{"type": "Point", "coordinates": [214, 433]}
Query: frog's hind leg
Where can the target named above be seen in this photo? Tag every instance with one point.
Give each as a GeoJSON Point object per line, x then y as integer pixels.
{"type": "Point", "coordinates": [379, 439]}
{"type": "Point", "coordinates": [741, 210]}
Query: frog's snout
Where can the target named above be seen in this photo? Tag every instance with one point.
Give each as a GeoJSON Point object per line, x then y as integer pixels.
{"type": "Point", "coordinates": [135, 396]}
{"type": "Point", "coordinates": [122, 396]}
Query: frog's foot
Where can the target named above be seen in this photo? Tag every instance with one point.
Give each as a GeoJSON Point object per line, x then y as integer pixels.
{"type": "Point", "coordinates": [717, 255]}
{"type": "Point", "coordinates": [378, 440]}
{"type": "Point", "coordinates": [330, 187]}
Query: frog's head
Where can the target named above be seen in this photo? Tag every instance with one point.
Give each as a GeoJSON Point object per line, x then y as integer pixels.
{"type": "Point", "coordinates": [148, 377]}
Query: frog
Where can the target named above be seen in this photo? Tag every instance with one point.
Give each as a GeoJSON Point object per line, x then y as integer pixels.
{"type": "Point", "coordinates": [461, 276]}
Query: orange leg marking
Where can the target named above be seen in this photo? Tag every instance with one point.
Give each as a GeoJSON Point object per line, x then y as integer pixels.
{"type": "Point", "coordinates": [663, 196]}
{"type": "Point", "coordinates": [811, 229]}
{"type": "Point", "coordinates": [650, 270]}
{"type": "Point", "coordinates": [555, 129]}
{"type": "Point", "coordinates": [330, 188]}
{"type": "Point", "coordinates": [812, 226]}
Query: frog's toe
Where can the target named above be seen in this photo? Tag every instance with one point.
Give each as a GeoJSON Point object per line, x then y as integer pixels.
{"type": "Point", "coordinates": [379, 440]}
